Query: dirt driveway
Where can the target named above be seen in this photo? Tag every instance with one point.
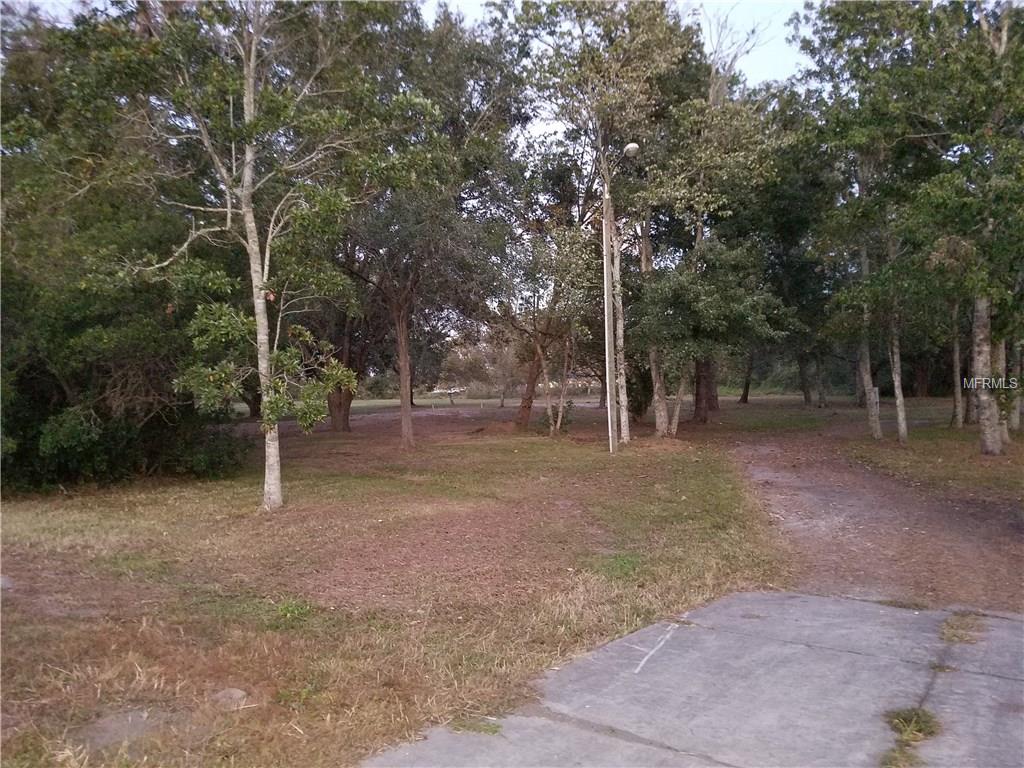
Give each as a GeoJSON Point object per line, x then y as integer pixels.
{"type": "Point", "coordinates": [859, 533]}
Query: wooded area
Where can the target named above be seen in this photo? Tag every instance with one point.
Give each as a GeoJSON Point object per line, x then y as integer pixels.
{"type": "Point", "coordinates": [282, 203]}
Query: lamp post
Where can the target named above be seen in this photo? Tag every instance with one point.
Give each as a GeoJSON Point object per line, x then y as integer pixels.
{"type": "Point", "coordinates": [611, 388]}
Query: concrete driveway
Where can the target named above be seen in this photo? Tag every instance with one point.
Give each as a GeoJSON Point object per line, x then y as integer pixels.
{"type": "Point", "coordinates": [763, 679]}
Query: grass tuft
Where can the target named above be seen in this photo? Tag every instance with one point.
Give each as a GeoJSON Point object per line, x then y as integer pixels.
{"type": "Point", "coordinates": [962, 627]}
{"type": "Point", "coordinates": [912, 726]}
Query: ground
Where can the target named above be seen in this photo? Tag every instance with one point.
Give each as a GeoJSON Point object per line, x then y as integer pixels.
{"type": "Point", "coordinates": [758, 679]}
{"type": "Point", "coordinates": [399, 590]}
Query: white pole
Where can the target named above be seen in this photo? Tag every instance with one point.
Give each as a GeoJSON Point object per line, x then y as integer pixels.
{"type": "Point", "coordinates": [609, 327]}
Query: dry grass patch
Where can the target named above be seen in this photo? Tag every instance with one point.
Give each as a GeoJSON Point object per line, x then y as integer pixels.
{"type": "Point", "coordinates": [432, 588]}
{"type": "Point", "coordinates": [948, 460]}
{"type": "Point", "coordinates": [962, 628]}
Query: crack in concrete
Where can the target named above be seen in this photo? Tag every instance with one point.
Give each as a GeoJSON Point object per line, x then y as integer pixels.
{"type": "Point", "coordinates": [545, 713]}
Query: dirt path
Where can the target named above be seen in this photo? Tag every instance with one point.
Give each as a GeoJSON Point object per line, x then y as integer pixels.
{"type": "Point", "coordinates": [861, 534]}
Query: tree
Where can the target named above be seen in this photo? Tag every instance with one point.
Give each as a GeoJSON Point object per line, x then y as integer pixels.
{"type": "Point", "coordinates": [599, 66]}
{"type": "Point", "coordinates": [90, 353]}
{"type": "Point", "coordinates": [245, 97]}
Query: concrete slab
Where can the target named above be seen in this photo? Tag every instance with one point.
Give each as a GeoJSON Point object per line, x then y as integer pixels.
{"type": "Point", "coordinates": [999, 650]}
{"type": "Point", "coordinates": [858, 626]}
{"type": "Point", "coordinates": [534, 740]}
{"type": "Point", "coordinates": [742, 700]}
{"type": "Point", "coordinates": [756, 680]}
{"type": "Point", "coordinates": [982, 721]}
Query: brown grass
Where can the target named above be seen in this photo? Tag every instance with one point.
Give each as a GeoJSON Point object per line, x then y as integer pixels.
{"type": "Point", "coordinates": [394, 591]}
{"type": "Point", "coordinates": [949, 460]}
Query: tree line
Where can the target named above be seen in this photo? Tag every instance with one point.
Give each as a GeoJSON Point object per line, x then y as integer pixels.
{"type": "Point", "coordinates": [207, 203]}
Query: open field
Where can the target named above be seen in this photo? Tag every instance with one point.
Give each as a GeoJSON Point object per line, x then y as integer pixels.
{"type": "Point", "coordinates": [395, 590]}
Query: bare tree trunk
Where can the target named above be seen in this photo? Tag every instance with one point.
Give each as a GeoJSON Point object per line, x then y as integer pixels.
{"type": "Point", "coordinates": [602, 400]}
{"type": "Point", "coordinates": [339, 403]}
{"type": "Point", "coordinates": [677, 409]}
{"type": "Point", "coordinates": [659, 395]}
{"type": "Point", "coordinates": [529, 390]}
{"type": "Point", "coordinates": [971, 404]}
{"type": "Point", "coordinates": [620, 334]}
{"type": "Point", "coordinates": [564, 384]}
{"type": "Point", "coordinates": [819, 381]}
{"type": "Point", "coordinates": [255, 403]}
{"type": "Point", "coordinates": [859, 399]}
{"type": "Point", "coordinates": [922, 374]}
{"type": "Point", "coordinates": [547, 389]}
{"type": "Point", "coordinates": [702, 374]}
{"type": "Point", "coordinates": [712, 388]}
{"type": "Point", "coordinates": [273, 497]}
{"type": "Point", "coordinates": [999, 371]}
{"type": "Point", "coordinates": [400, 317]}
{"type": "Point", "coordinates": [805, 385]}
{"type": "Point", "coordinates": [504, 394]}
{"type": "Point", "coordinates": [896, 364]}
{"type": "Point", "coordinates": [958, 385]}
{"type": "Point", "coordinates": [1015, 408]}
{"type": "Point", "coordinates": [864, 358]}
{"type": "Point", "coordinates": [747, 374]}
{"type": "Point", "coordinates": [988, 412]}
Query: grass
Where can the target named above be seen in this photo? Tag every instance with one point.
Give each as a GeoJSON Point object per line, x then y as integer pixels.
{"type": "Point", "coordinates": [395, 591]}
{"type": "Point", "coordinates": [491, 728]}
{"type": "Point", "coordinates": [912, 726]}
{"type": "Point", "coordinates": [948, 460]}
{"type": "Point", "coordinates": [962, 628]}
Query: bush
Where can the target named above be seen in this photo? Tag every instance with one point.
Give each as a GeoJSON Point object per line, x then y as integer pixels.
{"type": "Point", "coordinates": [566, 416]}
{"type": "Point", "coordinates": [76, 445]}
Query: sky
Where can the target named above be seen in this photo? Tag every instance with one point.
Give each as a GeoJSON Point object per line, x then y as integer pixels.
{"type": "Point", "coordinates": [772, 59]}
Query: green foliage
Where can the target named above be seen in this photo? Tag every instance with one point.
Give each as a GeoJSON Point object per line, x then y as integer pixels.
{"type": "Point", "coordinates": [713, 301]}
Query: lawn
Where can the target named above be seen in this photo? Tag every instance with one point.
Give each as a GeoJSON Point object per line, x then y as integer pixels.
{"type": "Point", "coordinates": [948, 460]}
{"type": "Point", "coordinates": [393, 592]}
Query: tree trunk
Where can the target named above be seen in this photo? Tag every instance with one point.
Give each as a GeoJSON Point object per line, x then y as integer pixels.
{"type": "Point", "coordinates": [747, 374]}
{"type": "Point", "coordinates": [529, 390]}
{"type": "Point", "coordinates": [712, 388]}
{"type": "Point", "coordinates": [677, 409]}
{"type": "Point", "coordinates": [255, 402]}
{"type": "Point", "coordinates": [339, 403]}
{"type": "Point", "coordinates": [1015, 408]}
{"type": "Point", "coordinates": [958, 391]}
{"type": "Point", "coordinates": [564, 384]}
{"type": "Point", "coordinates": [273, 497]}
{"type": "Point", "coordinates": [659, 395]}
{"type": "Point", "coordinates": [805, 385]}
{"type": "Point", "coordinates": [864, 357]}
{"type": "Point", "coordinates": [620, 335]}
{"type": "Point", "coordinates": [896, 364]}
{"type": "Point", "coordinates": [547, 389]}
{"type": "Point", "coordinates": [819, 381]}
{"type": "Point", "coordinates": [999, 371]}
{"type": "Point", "coordinates": [971, 404]}
{"type": "Point", "coordinates": [702, 375]}
{"type": "Point", "coordinates": [988, 412]}
{"type": "Point", "coordinates": [859, 399]}
{"type": "Point", "coordinates": [504, 394]}
{"type": "Point", "coordinates": [922, 373]}
{"type": "Point", "coordinates": [400, 317]}
{"type": "Point", "coordinates": [602, 400]}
